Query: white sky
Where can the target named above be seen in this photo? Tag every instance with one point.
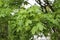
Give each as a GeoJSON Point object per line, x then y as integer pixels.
{"type": "Point", "coordinates": [32, 2]}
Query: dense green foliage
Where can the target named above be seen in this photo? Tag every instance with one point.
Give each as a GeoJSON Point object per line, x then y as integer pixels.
{"type": "Point", "coordinates": [27, 22]}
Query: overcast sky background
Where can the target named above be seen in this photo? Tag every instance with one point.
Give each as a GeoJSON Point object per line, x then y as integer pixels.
{"type": "Point", "coordinates": [32, 2]}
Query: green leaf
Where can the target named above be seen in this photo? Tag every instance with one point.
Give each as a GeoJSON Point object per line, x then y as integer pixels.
{"type": "Point", "coordinates": [28, 22]}
{"type": "Point", "coordinates": [34, 30]}
{"type": "Point", "coordinates": [40, 26]}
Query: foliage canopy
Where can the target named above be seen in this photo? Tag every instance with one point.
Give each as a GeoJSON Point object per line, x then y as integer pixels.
{"type": "Point", "coordinates": [27, 22]}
